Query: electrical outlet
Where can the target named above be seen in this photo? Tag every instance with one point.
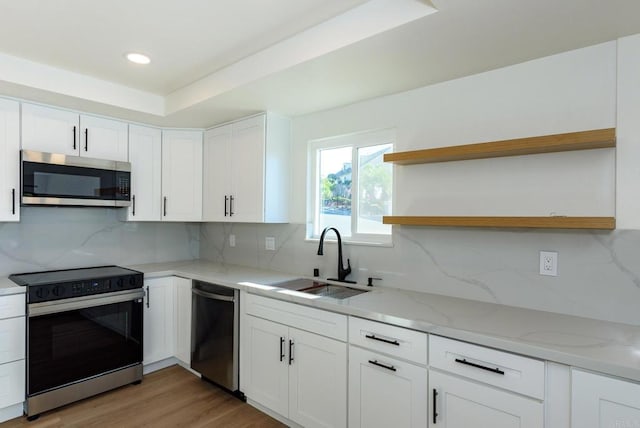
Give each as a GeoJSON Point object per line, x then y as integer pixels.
{"type": "Point", "coordinates": [270, 243]}
{"type": "Point", "coordinates": [232, 240]}
{"type": "Point", "coordinates": [549, 263]}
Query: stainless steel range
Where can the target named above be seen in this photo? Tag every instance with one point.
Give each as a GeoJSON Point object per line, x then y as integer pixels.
{"type": "Point", "coordinates": [84, 333]}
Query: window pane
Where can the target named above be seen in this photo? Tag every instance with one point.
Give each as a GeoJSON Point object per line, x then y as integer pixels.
{"type": "Point", "coordinates": [335, 190]}
{"type": "Point", "coordinates": [374, 189]}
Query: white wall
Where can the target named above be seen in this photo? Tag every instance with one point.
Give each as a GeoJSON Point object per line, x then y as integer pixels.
{"type": "Point", "coordinates": [599, 276]}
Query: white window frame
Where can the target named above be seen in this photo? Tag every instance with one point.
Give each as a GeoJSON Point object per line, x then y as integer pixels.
{"type": "Point", "coordinates": [355, 141]}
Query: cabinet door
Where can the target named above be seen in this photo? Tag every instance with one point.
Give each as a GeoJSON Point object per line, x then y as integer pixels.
{"type": "Point", "coordinates": [247, 170]}
{"type": "Point", "coordinates": [12, 383]}
{"type": "Point", "coordinates": [462, 404]}
{"type": "Point", "coordinates": [158, 320]}
{"type": "Point", "coordinates": [12, 339]}
{"type": "Point", "coordinates": [216, 188]}
{"type": "Point", "coordinates": [317, 380]}
{"type": "Point", "coordinates": [104, 138]}
{"type": "Point", "coordinates": [603, 402]}
{"type": "Point", "coordinates": [50, 130]}
{"type": "Point", "coordinates": [183, 319]}
{"type": "Point", "coordinates": [145, 155]}
{"type": "Point", "coordinates": [390, 394]}
{"type": "Point", "coordinates": [264, 369]}
{"type": "Point", "coordinates": [182, 175]}
{"type": "Point", "coordinates": [9, 160]}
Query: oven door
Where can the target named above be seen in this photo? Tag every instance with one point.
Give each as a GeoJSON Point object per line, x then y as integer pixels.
{"type": "Point", "coordinates": [52, 179]}
{"type": "Point", "coordinates": [74, 339]}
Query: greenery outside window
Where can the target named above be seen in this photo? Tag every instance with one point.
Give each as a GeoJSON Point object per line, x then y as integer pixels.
{"type": "Point", "coordinates": [350, 187]}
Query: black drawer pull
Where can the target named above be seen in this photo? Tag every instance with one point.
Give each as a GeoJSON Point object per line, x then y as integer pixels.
{"type": "Point", "coordinates": [384, 366]}
{"type": "Point", "coordinates": [379, 339]}
{"type": "Point", "coordinates": [290, 352]}
{"type": "Point", "coordinates": [489, 369]}
{"type": "Point", "coordinates": [435, 414]}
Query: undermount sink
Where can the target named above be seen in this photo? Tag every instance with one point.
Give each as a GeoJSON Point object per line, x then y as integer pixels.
{"type": "Point", "coordinates": [323, 289]}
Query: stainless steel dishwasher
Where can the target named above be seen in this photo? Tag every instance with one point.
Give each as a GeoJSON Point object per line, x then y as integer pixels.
{"type": "Point", "coordinates": [214, 334]}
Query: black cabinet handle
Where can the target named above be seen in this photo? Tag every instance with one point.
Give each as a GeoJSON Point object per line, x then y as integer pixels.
{"type": "Point", "coordinates": [231, 206]}
{"type": "Point", "coordinates": [489, 369]}
{"type": "Point", "coordinates": [435, 414]}
{"type": "Point", "coordinates": [384, 366]}
{"type": "Point", "coordinates": [379, 339]}
{"type": "Point", "coordinates": [281, 348]}
{"type": "Point", "coordinates": [133, 208]}
{"type": "Point", "coordinates": [226, 200]}
{"type": "Point", "coordinates": [74, 138]}
{"type": "Point", "coordinates": [148, 296]}
{"type": "Point", "coordinates": [290, 352]}
{"type": "Point", "coordinates": [165, 206]}
{"type": "Point", "coordinates": [86, 139]}
{"type": "Point", "coordinates": [13, 201]}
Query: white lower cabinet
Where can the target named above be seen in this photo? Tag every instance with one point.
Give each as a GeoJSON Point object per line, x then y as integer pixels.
{"type": "Point", "coordinates": [317, 380]}
{"type": "Point", "coordinates": [159, 333]}
{"type": "Point", "coordinates": [183, 319]}
{"type": "Point", "coordinates": [298, 374]}
{"type": "Point", "coordinates": [459, 403]}
{"type": "Point", "coordinates": [385, 392]}
{"type": "Point", "coordinates": [602, 402]}
{"type": "Point", "coordinates": [264, 372]}
{"type": "Point", "coordinates": [12, 355]}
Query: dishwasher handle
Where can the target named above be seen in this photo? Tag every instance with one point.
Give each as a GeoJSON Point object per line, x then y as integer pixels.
{"type": "Point", "coordinates": [213, 296]}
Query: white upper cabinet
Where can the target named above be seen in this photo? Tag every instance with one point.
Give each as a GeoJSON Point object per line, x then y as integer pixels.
{"type": "Point", "coordinates": [145, 155]}
{"type": "Point", "coordinates": [181, 175]}
{"type": "Point", "coordinates": [246, 171]}
{"type": "Point", "coordinates": [103, 138]}
{"type": "Point", "coordinates": [9, 160]}
{"type": "Point", "coordinates": [216, 186]}
{"type": "Point", "coordinates": [47, 129]}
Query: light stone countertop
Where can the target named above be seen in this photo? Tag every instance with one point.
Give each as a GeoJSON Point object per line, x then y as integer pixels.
{"type": "Point", "coordinates": [601, 346]}
{"type": "Point", "coordinates": [9, 287]}
{"type": "Point", "coordinates": [606, 347]}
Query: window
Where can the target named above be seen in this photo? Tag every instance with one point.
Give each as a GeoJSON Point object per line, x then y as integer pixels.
{"type": "Point", "coordinates": [350, 187]}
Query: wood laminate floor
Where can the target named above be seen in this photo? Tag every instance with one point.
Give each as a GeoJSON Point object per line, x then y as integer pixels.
{"type": "Point", "coordinates": [171, 397]}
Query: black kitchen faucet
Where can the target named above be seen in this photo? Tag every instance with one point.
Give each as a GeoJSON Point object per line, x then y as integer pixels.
{"type": "Point", "coordinates": [342, 272]}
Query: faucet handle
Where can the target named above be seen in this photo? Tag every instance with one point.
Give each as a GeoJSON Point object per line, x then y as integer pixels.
{"type": "Point", "coordinates": [348, 270]}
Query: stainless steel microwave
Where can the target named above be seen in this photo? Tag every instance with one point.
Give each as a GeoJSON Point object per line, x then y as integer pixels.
{"type": "Point", "coordinates": [57, 179]}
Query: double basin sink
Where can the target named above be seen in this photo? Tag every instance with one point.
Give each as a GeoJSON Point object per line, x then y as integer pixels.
{"type": "Point", "coordinates": [318, 288]}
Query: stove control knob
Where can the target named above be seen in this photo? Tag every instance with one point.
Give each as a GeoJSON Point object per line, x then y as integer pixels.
{"type": "Point", "coordinates": [42, 292]}
{"type": "Point", "coordinates": [132, 280]}
{"type": "Point", "coordinates": [120, 282]}
{"type": "Point", "coordinates": [58, 291]}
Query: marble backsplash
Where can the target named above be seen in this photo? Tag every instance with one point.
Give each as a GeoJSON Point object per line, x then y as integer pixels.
{"type": "Point", "coordinates": [598, 272]}
{"type": "Point", "coordinates": [59, 238]}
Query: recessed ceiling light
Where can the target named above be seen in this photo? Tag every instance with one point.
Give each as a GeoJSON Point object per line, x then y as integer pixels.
{"type": "Point", "coordinates": [138, 58]}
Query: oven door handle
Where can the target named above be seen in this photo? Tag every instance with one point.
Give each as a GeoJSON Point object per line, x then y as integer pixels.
{"type": "Point", "coordinates": [64, 305]}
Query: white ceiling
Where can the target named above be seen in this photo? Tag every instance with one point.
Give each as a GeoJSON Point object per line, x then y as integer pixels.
{"type": "Point", "coordinates": [215, 60]}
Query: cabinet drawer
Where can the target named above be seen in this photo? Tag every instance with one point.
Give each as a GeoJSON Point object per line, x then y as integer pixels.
{"type": "Point", "coordinates": [12, 305]}
{"type": "Point", "coordinates": [11, 383]}
{"type": "Point", "coordinates": [396, 341]}
{"type": "Point", "coordinates": [12, 339]}
{"type": "Point", "coordinates": [502, 369]}
{"type": "Point", "coordinates": [310, 319]}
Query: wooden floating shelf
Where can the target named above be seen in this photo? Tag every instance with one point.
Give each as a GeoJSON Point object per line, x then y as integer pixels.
{"type": "Point", "coordinates": [607, 223]}
{"type": "Point", "coordinates": [584, 140]}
